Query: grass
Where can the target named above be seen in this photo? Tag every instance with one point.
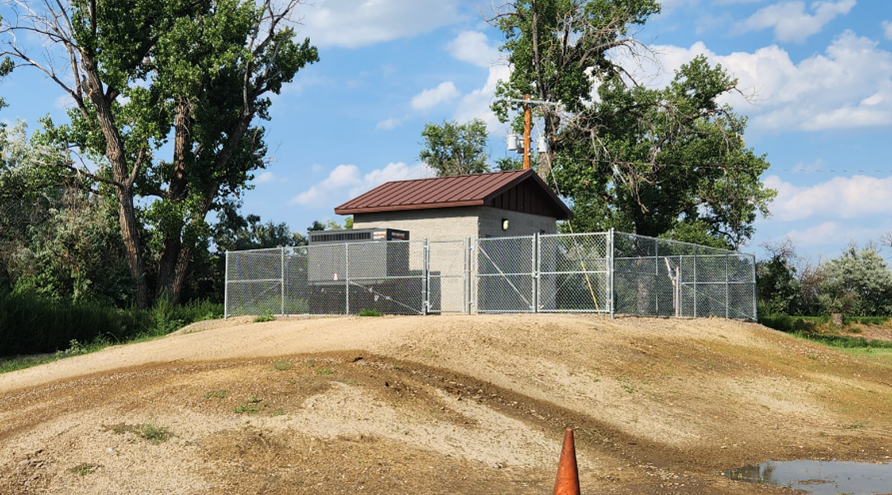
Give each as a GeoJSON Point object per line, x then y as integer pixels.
{"type": "Point", "coordinates": [282, 365]}
{"type": "Point", "coordinates": [324, 371]}
{"type": "Point", "coordinates": [264, 318]}
{"type": "Point", "coordinates": [843, 342]}
{"type": "Point", "coordinates": [816, 324]}
{"type": "Point", "coordinates": [84, 469]}
{"type": "Point", "coordinates": [216, 394]}
{"type": "Point", "coordinates": [35, 331]}
{"type": "Point", "coordinates": [149, 431]}
{"type": "Point", "coordinates": [249, 405]}
{"type": "Point", "coordinates": [369, 312]}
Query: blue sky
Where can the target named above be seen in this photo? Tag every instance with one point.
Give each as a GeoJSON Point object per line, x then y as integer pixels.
{"type": "Point", "coordinates": [819, 74]}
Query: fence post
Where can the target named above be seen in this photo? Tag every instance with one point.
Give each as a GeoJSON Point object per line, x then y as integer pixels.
{"type": "Point", "coordinates": [282, 281]}
{"type": "Point", "coordinates": [347, 277]}
{"type": "Point", "coordinates": [611, 270]}
{"type": "Point", "coordinates": [656, 279]}
{"type": "Point", "coordinates": [727, 309]}
{"type": "Point", "coordinates": [535, 269]}
{"type": "Point", "coordinates": [426, 273]}
{"type": "Point", "coordinates": [695, 282]}
{"type": "Point", "coordinates": [755, 294]}
{"type": "Point", "coordinates": [226, 288]}
{"type": "Point", "coordinates": [466, 276]}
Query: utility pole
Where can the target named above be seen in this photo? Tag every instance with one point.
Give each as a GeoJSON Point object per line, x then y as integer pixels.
{"type": "Point", "coordinates": [527, 124]}
{"type": "Point", "coordinates": [527, 128]}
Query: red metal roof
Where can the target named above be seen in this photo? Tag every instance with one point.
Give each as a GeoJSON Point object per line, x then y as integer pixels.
{"type": "Point", "coordinates": [450, 192]}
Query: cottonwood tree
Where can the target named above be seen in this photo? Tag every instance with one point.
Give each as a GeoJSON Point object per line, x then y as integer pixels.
{"type": "Point", "coordinates": [455, 149]}
{"type": "Point", "coordinates": [558, 50]}
{"type": "Point", "coordinates": [142, 73]}
{"type": "Point", "coordinates": [656, 162]}
{"type": "Point", "coordinates": [653, 161]}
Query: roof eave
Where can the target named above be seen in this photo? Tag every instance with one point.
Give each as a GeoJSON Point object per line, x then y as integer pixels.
{"type": "Point", "coordinates": [425, 206]}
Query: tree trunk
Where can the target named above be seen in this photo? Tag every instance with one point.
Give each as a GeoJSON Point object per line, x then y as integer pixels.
{"type": "Point", "coordinates": [170, 255]}
{"type": "Point", "coordinates": [130, 235]}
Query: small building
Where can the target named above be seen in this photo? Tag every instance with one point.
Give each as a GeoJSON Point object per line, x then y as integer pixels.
{"type": "Point", "coordinates": [512, 203]}
{"type": "Point", "coordinates": [449, 210]}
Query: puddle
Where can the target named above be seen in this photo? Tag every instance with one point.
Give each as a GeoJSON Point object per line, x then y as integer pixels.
{"type": "Point", "coordinates": [820, 477]}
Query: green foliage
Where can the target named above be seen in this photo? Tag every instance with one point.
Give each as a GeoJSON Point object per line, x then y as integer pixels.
{"type": "Point", "coordinates": [656, 162]}
{"type": "Point", "coordinates": [152, 77]}
{"type": "Point", "coordinates": [150, 431]}
{"type": "Point", "coordinates": [234, 233]}
{"type": "Point", "coordinates": [793, 324]}
{"type": "Point", "coordinates": [661, 160]}
{"type": "Point", "coordinates": [455, 149]}
{"type": "Point", "coordinates": [846, 342]}
{"type": "Point", "coordinates": [858, 282]}
{"type": "Point", "coordinates": [55, 239]}
{"type": "Point", "coordinates": [558, 50]}
{"type": "Point", "coordinates": [696, 232]}
{"type": "Point", "coordinates": [779, 291]}
{"type": "Point", "coordinates": [282, 365]}
{"type": "Point", "coordinates": [317, 225]}
{"type": "Point", "coordinates": [264, 318]}
{"type": "Point", "coordinates": [369, 312]}
{"type": "Point", "coordinates": [509, 163]}
{"type": "Point", "coordinates": [31, 324]}
{"type": "Point", "coordinates": [84, 469]}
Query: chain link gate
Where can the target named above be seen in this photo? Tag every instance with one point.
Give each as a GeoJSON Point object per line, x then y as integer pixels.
{"type": "Point", "coordinates": [448, 267]}
{"type": "Point", "coordinates": [506, 275]}
{"type": "Point", "coordinates": [573, 273]}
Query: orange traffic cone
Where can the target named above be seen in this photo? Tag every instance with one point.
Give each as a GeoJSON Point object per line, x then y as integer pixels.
{"type": "Point", "coordinates": [567, 482]}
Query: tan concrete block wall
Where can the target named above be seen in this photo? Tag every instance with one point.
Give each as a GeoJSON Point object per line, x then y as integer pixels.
{"type": "Point", "coordinates": [490, 223]}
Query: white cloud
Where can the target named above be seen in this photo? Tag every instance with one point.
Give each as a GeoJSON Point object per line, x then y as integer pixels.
{"type": "Point", "coordinates": [430, 98]}
{"type": "Point", "coordinates": [840, 198]}
{"type": "Point", "coordinates": [265, 177]}
{"type": "Point", "coordinates": [346, 181]}
{"type": "Point", "coordinates": [790, 20]}
{"type": "Point", "coordinates": [887, 29]}
{"type": "Point", "coordinates": [476, 103]}
{"type": "Point", "coordinates": [848, 86]}
{"type": "Point", "coordinates": [388, 124]}
{"type": "Point", "coordinates": [355, 23]}
{"type": "Point", "coordinates": [834, 234]}
{"type": "Point", "coordinates": [473, 47]}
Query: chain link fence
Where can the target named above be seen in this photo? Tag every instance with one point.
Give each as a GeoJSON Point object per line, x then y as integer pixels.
{"type": "Point", "coordinates": [606, 272]}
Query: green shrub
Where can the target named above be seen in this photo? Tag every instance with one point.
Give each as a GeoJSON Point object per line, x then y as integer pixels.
{"type": "Point", "coordinates": [846, 342]}
{"type": "Point", "coordinates": [30, 324]}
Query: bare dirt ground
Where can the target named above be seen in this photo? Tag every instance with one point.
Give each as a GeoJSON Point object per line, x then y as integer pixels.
{"type": "Point", "coordinates": [461, 404]}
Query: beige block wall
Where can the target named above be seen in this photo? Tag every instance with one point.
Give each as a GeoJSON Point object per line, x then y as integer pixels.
{"type": "Point", "coordinates": [448, 259]}
{"type": "Point", "coordinates": [490, 223]}
{"type": "Point", "coordinates": [449, 224]}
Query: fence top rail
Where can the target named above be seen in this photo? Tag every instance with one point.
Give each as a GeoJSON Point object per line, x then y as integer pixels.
{"type": "Point", "coordinates": [645, 257]}
{"type": "Point", "coordinates": [671, 241]}
{"type": "Point", "coordinates": [577, 234]}
{"type": "Point", "coordinates": [723, 252]}
{"type": "Point", "coordinates": [506, 238]}
{"type": "Point", "coordinates": [259, 250]}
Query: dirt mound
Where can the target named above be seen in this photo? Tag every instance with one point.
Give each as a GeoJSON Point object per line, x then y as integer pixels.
{"type": "Point", "coordinates": [438, 405]}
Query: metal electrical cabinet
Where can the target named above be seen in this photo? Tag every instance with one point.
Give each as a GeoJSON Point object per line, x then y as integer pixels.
{"type": "Point", "coordinates": [369, 253]}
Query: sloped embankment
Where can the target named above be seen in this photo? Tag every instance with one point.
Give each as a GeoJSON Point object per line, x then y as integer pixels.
{"type": "Point", "coordinates": [438, 405]}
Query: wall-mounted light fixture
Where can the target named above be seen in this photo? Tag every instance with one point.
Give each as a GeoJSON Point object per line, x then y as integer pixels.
{"type": "Point", "coordinates": [504, 224]}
